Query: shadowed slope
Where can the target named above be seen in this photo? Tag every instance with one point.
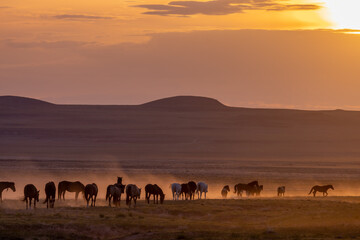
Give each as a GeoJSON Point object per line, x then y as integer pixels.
{"type": "Point", "coordinates": [185, 103]}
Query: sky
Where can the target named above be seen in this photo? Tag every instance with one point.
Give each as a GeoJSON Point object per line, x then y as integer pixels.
{"type": "Point", "coordinates": [252, 53]}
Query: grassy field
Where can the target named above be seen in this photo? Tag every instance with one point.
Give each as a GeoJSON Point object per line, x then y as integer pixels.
{"type": "Point", "coordinates": [265, 218]}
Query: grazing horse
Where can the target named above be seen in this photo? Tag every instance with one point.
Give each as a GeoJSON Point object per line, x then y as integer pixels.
{"type": "Point", "coordinates": [224, 191]}
{"type": "Point", "coordinates": [281, 191]}
{"type": "Point", "coordinates": [91, 191]}
{"type": "Point", "coordinates": [132, 192]}
{"type": "Point", "coordinates": [193, 187]}
{"type": "Point", "coordinates": [176, 190]}
{"type": "Point", "coordinates": [6, 185]}
{"type": "Point", "coordinates": [50, 191]}
{"type": "Point", "coordinates": [202, 188]}
{"type": "Point", "coordinates": [155, 190]}
{"type": "Point", "coordinates": [249, 188]}
{"type": "Point", "coordinates": [30, 192]}
{"type": "Point", "coordinates": [185, 190]}
{"type": "Point", "coordinates": [322, 189]}
{"type": "Point", "coordinates": [76, 187]}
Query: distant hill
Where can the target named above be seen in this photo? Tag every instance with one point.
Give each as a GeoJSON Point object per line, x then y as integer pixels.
{"type": "Point", "coordinates": [185, 103]}
{"type": "Point", "coordinates": [180, 128]}
{"type": "Point", "coordinates": [15, 101]}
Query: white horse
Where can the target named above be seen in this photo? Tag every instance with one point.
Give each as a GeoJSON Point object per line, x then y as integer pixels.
{"type": "Point", "coordinates": [176, 190]}
{"type": "Point", "coordinates": [202, 188]}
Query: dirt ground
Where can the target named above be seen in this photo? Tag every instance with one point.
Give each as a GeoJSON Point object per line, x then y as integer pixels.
{"type": "Point", "coordinates": [257, 218]}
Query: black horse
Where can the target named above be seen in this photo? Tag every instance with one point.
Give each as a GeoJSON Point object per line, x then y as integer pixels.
{"type": "Point", "coordinates": [30, 192]}
{"type": "Point", "coordinates": [155, 190]}
{"type": "Point", "coordinates": [113, 192]}
{"type": "Point", "coordinates": [185, 190]}
{"type": "Point", "coordinates": [91, 191]}
{"type": "Point", "coordinates": [6, 185]}
{"type": "Point", "coordinates": [76, 187]}
{"type": "Point", "coordinates": [249, 188]}
{"type": "Point", "coordinates": [50, 191]}
{"type": "Point", "coordinates": [193, 187]}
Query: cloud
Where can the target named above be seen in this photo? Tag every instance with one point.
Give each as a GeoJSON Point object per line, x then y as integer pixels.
{"type": "Point", "coordinates": [221, 7]}
{"type": "Point", "coordinates": [80, 17]}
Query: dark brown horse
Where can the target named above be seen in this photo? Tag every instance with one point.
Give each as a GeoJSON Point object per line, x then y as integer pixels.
{"type": "Point", "coordinates": [185, 190]}
{"type": "Point", "coordinates": [76, 187]}
{"type": "Point", "coordinates": [50, 191]}
{"type": "Point", "coordinates": [91, 191]}
{"type": "Point", "coordinates": [30, 192]}
{"type": "Point", "coordinates": [248, 188]}
{"type": "Point", "coordinates": [6, 185]}
{"type": "Point", "coordinates": [155, 190]}
{"type": "Point", "coordinates": [322, 189]}
{"type": "Point", "coordinates": [114, 192]}
{"type": "Point", "coordinates": [193, 187]}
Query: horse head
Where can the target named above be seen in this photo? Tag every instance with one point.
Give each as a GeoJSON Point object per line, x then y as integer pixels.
{"type": "Point", "coordinates": [12, 186]}
{"type": "Point", "coordinates": [162, 197]}
{"type": "Point", "coordinates": [331, 186]}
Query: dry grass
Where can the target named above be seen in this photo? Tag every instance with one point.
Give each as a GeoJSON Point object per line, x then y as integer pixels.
{"type": "Point", "coordinates": [267, 218]}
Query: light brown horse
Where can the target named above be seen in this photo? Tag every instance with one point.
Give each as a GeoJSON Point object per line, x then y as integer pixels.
{"type": "Point", "coordinates": [322, 189]}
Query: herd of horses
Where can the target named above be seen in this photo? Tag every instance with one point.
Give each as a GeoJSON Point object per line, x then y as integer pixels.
{"type": "Point", "coordinates": [114, 191]}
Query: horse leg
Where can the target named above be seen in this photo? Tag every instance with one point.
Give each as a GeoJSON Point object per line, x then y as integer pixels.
{"type": "Point", "coordinates": [76, 196]}
{"type": "Point", "coordinates": [135, 201]}
{"type": "Point", "coordinates": [154, 198]}
{"type": "Point", "coordinates": [34, 203]}
{"type": "Point", "coordinates": [63, 195]}
{"type": "Point", "coordinates": [30, 203]}
{"type": "Point", "coordinates": [314, 193]}
{"type": "Point", "coordinates": [26, 201]}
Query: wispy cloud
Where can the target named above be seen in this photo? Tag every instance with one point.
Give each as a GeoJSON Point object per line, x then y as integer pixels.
{"type": "Point", "coordinates": [221, 7]}
{"type": "Point", "coordinates": [81, 17]}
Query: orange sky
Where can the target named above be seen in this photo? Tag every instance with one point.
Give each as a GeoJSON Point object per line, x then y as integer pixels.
{"type": "Point", "coordinates": [128, 52]}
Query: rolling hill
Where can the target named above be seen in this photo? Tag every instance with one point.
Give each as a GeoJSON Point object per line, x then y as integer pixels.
{"type": "Point", "coordinates": [175, 128]}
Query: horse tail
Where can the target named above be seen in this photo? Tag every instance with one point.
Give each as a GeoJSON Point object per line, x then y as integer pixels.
{"type": "Point", "coordinates": [107, 194]}
{"type": "Point", "coordinates": [311, 190]}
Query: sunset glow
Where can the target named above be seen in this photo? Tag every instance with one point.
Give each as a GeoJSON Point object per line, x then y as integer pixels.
{"type": "Point", "coordinates": [344, 13]}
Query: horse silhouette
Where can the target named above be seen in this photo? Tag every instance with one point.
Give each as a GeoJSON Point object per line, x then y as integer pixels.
{"type": "Point", "coordinates": [50, 191]}
{"type": "Point", "coordinates": [192, 187]}
{"type": "Point", "coordinates": [202, 188]}
{"type": "Point", "coordinates": [185, 191]}
{"type": "Point", "coordinates": [76, 187]}
{"type": "Point", "coordinates": [132, 193]}
{"type": "Point", "coordinates": [281, 191]}
{"type": "Point", "coordinates": [176, 190]}
{"type": "Point", "coordinates": [155, 190]}
{"type": "Point", "coordinates": [6, 185]}
{"type": "Point", "coordinates": [113, 192]}
{"type": "Point", "coordinates": [224, 191]}
{"type": "Point", "coordinates": [248, 188]}
{"type": "Point", "coordinates": [30, 192]}
{"type": "Point", "coordinates": [322, 189]}
{"type": "Point", "coordinates": [91, 191]}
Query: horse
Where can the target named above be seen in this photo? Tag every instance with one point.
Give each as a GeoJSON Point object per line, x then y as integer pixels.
{"type": "Point", "coordinates": [185, 190]}
{"type": "Point", "coordinates": [91, 191]}
{"type": "Point", "coordinates": [30, 192]}
{"type": "Point", "coordinates": [155, 190]}
{"type": "Point", "coordinates": [113, 192]}
{"type": "Point", "coordinates": [50, 191]}
{"type": "Point", "coordinates": [6, 185]}
{"type": "Point", "coordinates": [248, 188]}
{"type": "Point", "coordinates": [322, 189]}
{"type": "Point", "coordinates": [224, 191]}
{"type": "Point", "coordinates": [76, 187]}
{"type": "Point", "coordinates": [193, 187]}
{"type": "Point", "coordinates": [202, 188]}
{"type": "Point", "coordinates": [254, 190]}
{"type": "Point", "coordinates": [281, 191]}
{"type": "Point", "coordinates": [176, 190]}
{"type": "Point", "coordinates": [132, 192]}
